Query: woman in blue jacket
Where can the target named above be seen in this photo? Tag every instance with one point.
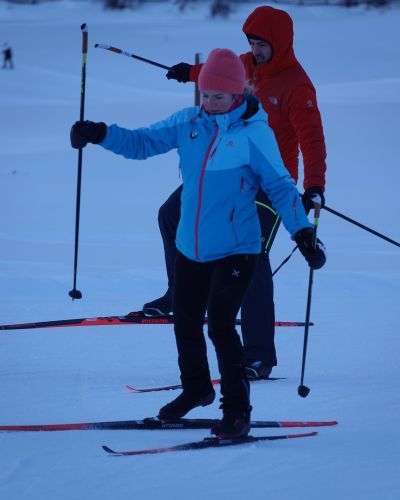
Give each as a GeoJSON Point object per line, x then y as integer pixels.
{"type": "Point", "coordinates": [227, 151]}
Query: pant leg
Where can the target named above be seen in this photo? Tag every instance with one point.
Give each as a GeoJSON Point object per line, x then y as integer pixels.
{"type": "Point", "coordinates": [258, 310]}
{"type": "Point", "coordinates": [168, 220]}
{"type": "Point", "coordinates": [231, 276]}
{"type": "Point", "coordinates": [190, 292]}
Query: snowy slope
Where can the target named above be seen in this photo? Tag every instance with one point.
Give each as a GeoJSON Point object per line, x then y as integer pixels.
{"type": "Point", "coordinates": [79, 374]}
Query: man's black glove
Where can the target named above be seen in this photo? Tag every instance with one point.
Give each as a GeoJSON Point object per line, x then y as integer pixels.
{"type": "Point", "coordinates": [311, 195]}
{"type": "Point", "coordinates": [316, 258]}
{"type": "Point", "coordinates": [84, 132]}
{"type": "Point", "coordinates": [180, 72]}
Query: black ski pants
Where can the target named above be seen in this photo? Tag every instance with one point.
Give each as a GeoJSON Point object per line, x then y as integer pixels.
{"type": "Point", "coordinates": [216, 287]}
{"type": "Point", "coordinates": [258, 310]}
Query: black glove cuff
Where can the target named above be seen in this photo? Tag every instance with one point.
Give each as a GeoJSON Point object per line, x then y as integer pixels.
{"type": "Point", "coordinates": [101, 132]}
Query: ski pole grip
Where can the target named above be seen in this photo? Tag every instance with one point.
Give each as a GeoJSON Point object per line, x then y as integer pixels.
{"type": "Point", "coordinates": [84, 38]}
{"type": "Point", "coordinates": [317, 211]}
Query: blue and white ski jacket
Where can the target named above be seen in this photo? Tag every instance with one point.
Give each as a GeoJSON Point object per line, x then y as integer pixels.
{"type": "Point", "coordinates": [224, 159]}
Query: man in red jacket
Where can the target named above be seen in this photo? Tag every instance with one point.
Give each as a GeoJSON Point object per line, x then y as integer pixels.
{"type": "Point", "coordinates": [289, 97]}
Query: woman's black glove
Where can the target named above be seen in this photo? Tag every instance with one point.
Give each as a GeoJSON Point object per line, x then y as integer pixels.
{"type": "Point", "coordinates": [316, 258]}
{"type": "Point", "coordinates": [84, 132]}
{"type": "Point", "coordinates": [180, 72]}
{"type": "Point", "coordinates": [311, 195]}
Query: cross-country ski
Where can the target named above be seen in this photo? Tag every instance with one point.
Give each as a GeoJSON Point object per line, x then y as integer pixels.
{"type": "Point", "coordinates": [209, 442]}
{"type": "Point", "coordinates": [156, 424]}
{"type": "Point", "coordinates": [137, 390]}
{"type": "Point", "coordinates": [133, 318]}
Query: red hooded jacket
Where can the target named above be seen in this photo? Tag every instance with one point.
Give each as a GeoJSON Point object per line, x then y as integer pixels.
{"type": "Point", "coordinates": [287, 94]}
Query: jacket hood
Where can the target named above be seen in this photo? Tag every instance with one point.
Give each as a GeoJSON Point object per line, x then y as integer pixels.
{"type": "Point", "coordinates": [276, 27]}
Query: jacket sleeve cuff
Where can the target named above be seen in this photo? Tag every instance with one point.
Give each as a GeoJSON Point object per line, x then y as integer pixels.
{"type": "Point", "coordinates": [194, 72]}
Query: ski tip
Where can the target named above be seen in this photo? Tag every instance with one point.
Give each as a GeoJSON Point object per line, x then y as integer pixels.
{"type": "Point", "coordinates": [132, 389]}
{"type": "Point", "coordinates": [308, 423]}
{"type": "Point", "coordinates": [109, 450]}
{"type": "Point", "coordinates": [304, 434]}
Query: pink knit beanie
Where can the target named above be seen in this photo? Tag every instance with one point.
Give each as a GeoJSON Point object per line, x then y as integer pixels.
{"type": "Point", "coordinates": [222, 71]}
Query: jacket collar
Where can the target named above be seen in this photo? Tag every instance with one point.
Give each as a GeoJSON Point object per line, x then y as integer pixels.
{"type": "Point", "coordinates": [227, 119]}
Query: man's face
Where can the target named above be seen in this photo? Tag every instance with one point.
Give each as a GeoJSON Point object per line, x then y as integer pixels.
{"type": "Point", "coordinates": [262, 50]}
{"type": "Point", "coordinates": [216, 102]}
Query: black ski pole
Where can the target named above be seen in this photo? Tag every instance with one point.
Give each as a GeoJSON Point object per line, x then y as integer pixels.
{"type": "Point", "coordinates": [361, 225]}
{"type": "Point", "coordinates": [303, 390]}
{"type": "Point", "coordinates": [129, 54]}
{"type": "Point", "coordinates": [74, 293]}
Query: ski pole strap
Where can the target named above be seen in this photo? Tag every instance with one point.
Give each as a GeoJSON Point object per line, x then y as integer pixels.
{"type": "Point", "coordinates": [128, 54]}
{"type": "Point", "coordinates": [285, 260]}
{"type": "Point", "coordinates": [372, 231]}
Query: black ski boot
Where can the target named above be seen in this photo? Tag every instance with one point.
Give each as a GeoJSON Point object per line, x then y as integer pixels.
{"type": "Point", "coordinates": [185, 402]}
{"type": "Point", "coordinates": [159, 307]}
{"type": "Point", "coordinates": [234, 424]}
{"type": "Point", "coordinates": [257, 370]}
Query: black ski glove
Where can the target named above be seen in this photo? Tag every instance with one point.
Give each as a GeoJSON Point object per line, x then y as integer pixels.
{"type": "Point", "coordinates": [84, 132]}
{"type": "Point", "coordinates": [316, 258]}
{"type": "Point", "coordinates": [310, 195]}
{"type": "Point", "coordinates": [180, 72]}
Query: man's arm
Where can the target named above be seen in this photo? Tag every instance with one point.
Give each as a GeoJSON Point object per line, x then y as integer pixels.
{"type": "Point", "coordinates": [305, 118]}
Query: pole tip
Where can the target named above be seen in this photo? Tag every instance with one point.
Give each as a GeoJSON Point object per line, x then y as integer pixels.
{"type": "Point", "coordinates": [84, 27]}
{"type": "Point", "coordinates": [75, 294]}
{"type": "Point", "coordinates": [303, 391]}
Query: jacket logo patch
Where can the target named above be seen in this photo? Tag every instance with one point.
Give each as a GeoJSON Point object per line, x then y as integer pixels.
{"type": "Point", "coordinates": [194, 134]}
{"type": "Point", "coordinates": [235, 273]}
{"type": "Point", "coordinates": [273, 100]}
{"type": "Point", "coordinates": [310, 104]}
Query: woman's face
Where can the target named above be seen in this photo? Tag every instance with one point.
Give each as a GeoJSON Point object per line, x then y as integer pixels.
{"type": "Point", "coordinates": [217, 103]}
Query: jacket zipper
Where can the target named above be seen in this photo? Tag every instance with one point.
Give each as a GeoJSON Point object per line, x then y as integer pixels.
{"type": "Point", "coordinates": [232, 218]}
{"type": "Point", "coordinates": [203, 168]}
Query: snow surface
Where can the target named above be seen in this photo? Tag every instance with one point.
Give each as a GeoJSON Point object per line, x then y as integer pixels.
{"type": "Point", "coordinates": [79, 374]}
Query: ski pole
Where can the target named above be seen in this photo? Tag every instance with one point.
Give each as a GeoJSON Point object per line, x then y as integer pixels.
{"type": "Point", "coordinates": [303, 390]}
{"type": "Point", "coordinates": [361, 225]}
{"type": "Point", "coordinates": [74, 293]}
{"type": "Point", "coordinates": [128, 54]}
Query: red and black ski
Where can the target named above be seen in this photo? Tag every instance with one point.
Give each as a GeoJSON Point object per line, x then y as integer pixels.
{"type": "Point", "coordinates": [133, 318]}
{"type": "Point", "coordinates": [209, 442]}
{"type": "Point", "coordinates": [155, 424]}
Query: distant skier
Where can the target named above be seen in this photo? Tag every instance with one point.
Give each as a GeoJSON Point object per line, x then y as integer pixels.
{"type": "Point", "coordinates": [7, 54]}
